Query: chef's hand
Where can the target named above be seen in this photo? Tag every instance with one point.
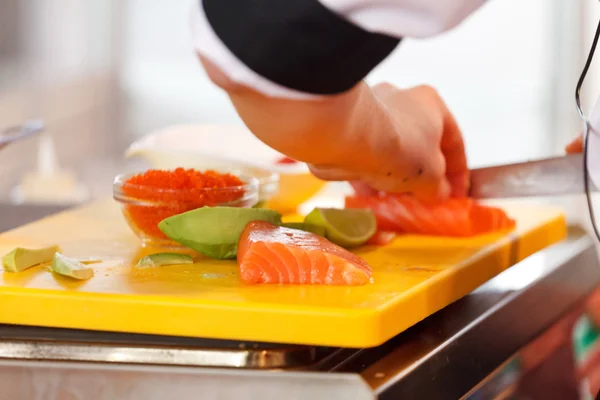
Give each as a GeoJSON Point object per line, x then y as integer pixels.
{"type": "Point", "coordinates": [389, 139]}
{"type": "Point", "coordinates": [427, 131]}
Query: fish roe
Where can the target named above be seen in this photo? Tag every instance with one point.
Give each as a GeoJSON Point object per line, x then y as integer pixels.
{"type": "Point", "coordinates": [286, 160]}
{"type": "Point", "coordinates": [168, 193]}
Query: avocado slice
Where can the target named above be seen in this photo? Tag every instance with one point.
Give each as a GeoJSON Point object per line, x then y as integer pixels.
{"type": "Point", "coordinates": [21, 258]}
{"type": "Point", "coordinates": [160, 259]}
{"type": "Point", "coordinates": [70, 267]}
{"type": "Point", "coordinates": [303, 226]}
{"type": "Point", "coordinates": [214, 231]}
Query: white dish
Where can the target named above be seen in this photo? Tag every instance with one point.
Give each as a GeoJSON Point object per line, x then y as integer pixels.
{"type": "Point", "coordinates": [209, 146]}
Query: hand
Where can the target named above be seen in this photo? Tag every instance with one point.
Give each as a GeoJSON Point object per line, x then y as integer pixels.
{"type": "Point", "coordinates": [420, 151]}
{"type": "Point", "coordinates": [393, 140]}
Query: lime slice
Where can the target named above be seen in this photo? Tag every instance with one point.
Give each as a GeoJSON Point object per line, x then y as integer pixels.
{"type": "Point", "coordinates": [316, 229]}
{"type": "Point", "coordinates": [345, 227]}
{"type": "Point", "coordinates": [20, 258]}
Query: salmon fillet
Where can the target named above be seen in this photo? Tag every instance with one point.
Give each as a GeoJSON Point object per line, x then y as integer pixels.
{"type": "Point", "coordinates": [382, 238]}
{"type": "Point", "coordinates": [453, 217]}
{"type": "Point", "coordinates": [274, 254]}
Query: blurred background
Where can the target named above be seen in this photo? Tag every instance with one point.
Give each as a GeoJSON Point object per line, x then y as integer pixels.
{"type": "Point", "coordinates": [102, 73]}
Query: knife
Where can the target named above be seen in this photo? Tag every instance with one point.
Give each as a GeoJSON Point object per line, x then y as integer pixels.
{"type": "Point", "coordinates": [546, 177]}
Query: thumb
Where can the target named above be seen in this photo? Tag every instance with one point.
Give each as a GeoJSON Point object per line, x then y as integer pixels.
{"type": "Point", "coordinates": [435, 193]}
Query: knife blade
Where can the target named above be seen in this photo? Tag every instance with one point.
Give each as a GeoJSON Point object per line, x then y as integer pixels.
{"type": "Point", "coordinates": [546, 177]}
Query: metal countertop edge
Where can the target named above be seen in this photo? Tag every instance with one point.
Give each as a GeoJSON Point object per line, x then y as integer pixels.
{"type": "Point", "coordinates": [451, 368]}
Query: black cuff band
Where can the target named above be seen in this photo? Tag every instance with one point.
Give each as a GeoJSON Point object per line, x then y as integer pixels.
{"type": "Point", "coordinates": [299, 44]}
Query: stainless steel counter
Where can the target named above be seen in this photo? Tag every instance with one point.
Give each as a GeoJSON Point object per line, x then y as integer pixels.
{"type": "Point", "coordinates": [449, 354]}
{"type": "Point", "coordinates": [446, 356]}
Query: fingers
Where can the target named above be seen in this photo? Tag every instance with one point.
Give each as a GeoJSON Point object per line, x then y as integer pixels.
{"type": "Point", "coordinates": [328, 173]}
{"type": "Point", "coordinates": [453, 148]}
{"type": "Point", "coordinates": [426, 158]}
{"type": "Point", "coordinates": [429, 184]}
{"type": "Point", "coordinates": [431, 193]}
{"type": "Point", "coordinates": [438, 187]}
{"type": "Point", "coordinates": [451, 144]}
{"type": "Point", "coordinates": [429, 189]}
{"type": "Point", "coordinates": [459, 184]}
{"type": "Point", "coordinates": [576, 146]}
{"type": "Point", "coordinates": [433, 185]}
{"type": "Point", "coordinates": [434, 165]}
{"type": "Point", "coordinates": [439, 191]}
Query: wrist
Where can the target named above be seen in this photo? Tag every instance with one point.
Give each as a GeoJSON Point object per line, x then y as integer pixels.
{"type": "Point", "coordinates": [324, 131]}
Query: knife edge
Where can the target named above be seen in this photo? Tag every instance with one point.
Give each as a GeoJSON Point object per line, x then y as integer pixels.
{"type": "Point", "coordinates": [545, 177]}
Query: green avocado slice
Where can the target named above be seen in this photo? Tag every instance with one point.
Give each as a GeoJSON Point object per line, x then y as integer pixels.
{"type": "Point", "coordinates": [21, 258]}
{"type": "Point", "coordinates": [70, 267]}
{"type": "Point", "coordinates": [214, 231]}
{"type": "Point", "coordinates": [160, 259]}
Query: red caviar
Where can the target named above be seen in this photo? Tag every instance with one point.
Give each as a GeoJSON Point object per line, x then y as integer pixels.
{"type": "Point", "coordinates": [286, 160]}
{"type": "Point", "coordinates": [168, 193]}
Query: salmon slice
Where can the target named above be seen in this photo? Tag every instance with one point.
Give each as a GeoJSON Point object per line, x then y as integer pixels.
{"type": "Point", "coordinates": [274, 254]}
{"type": "Point", "coordinates": [453, 217]}
{"type": "Point", "coordinates": [576, 146]}
{"type": "Point", "coordinates": [382, 238]}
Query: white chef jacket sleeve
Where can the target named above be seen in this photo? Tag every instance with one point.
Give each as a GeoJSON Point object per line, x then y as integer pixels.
{"type": "Point", "coordinates": [306, 49]}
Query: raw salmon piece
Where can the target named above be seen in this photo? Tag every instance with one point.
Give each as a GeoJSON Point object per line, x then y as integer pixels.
{"type": "Point", "coordinates": [453, 217]}
{"type": "Point", "coordinates": [382, 238]}
{"type": "Point", "coordinates": [274, 254]}
{"type": "Point", "coordinates": [286, 160]}
{"type": "Point", "coordinates": [576, 146]}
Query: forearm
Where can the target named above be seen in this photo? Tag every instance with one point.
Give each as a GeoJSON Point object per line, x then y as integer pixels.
{"type": "Point", "coordinates": [328, 130]}
{"type": "Point", "coordinates": [315, 132]}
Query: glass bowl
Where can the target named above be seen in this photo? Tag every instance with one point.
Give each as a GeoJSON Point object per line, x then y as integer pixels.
{"type": "Point", "coordinates": [144, 206]}
{"type": "Point", "coordinates": [268, 182]}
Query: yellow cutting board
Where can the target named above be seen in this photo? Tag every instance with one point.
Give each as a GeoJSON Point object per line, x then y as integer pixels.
{"type": "Point", "coordinates": [413, 278]}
